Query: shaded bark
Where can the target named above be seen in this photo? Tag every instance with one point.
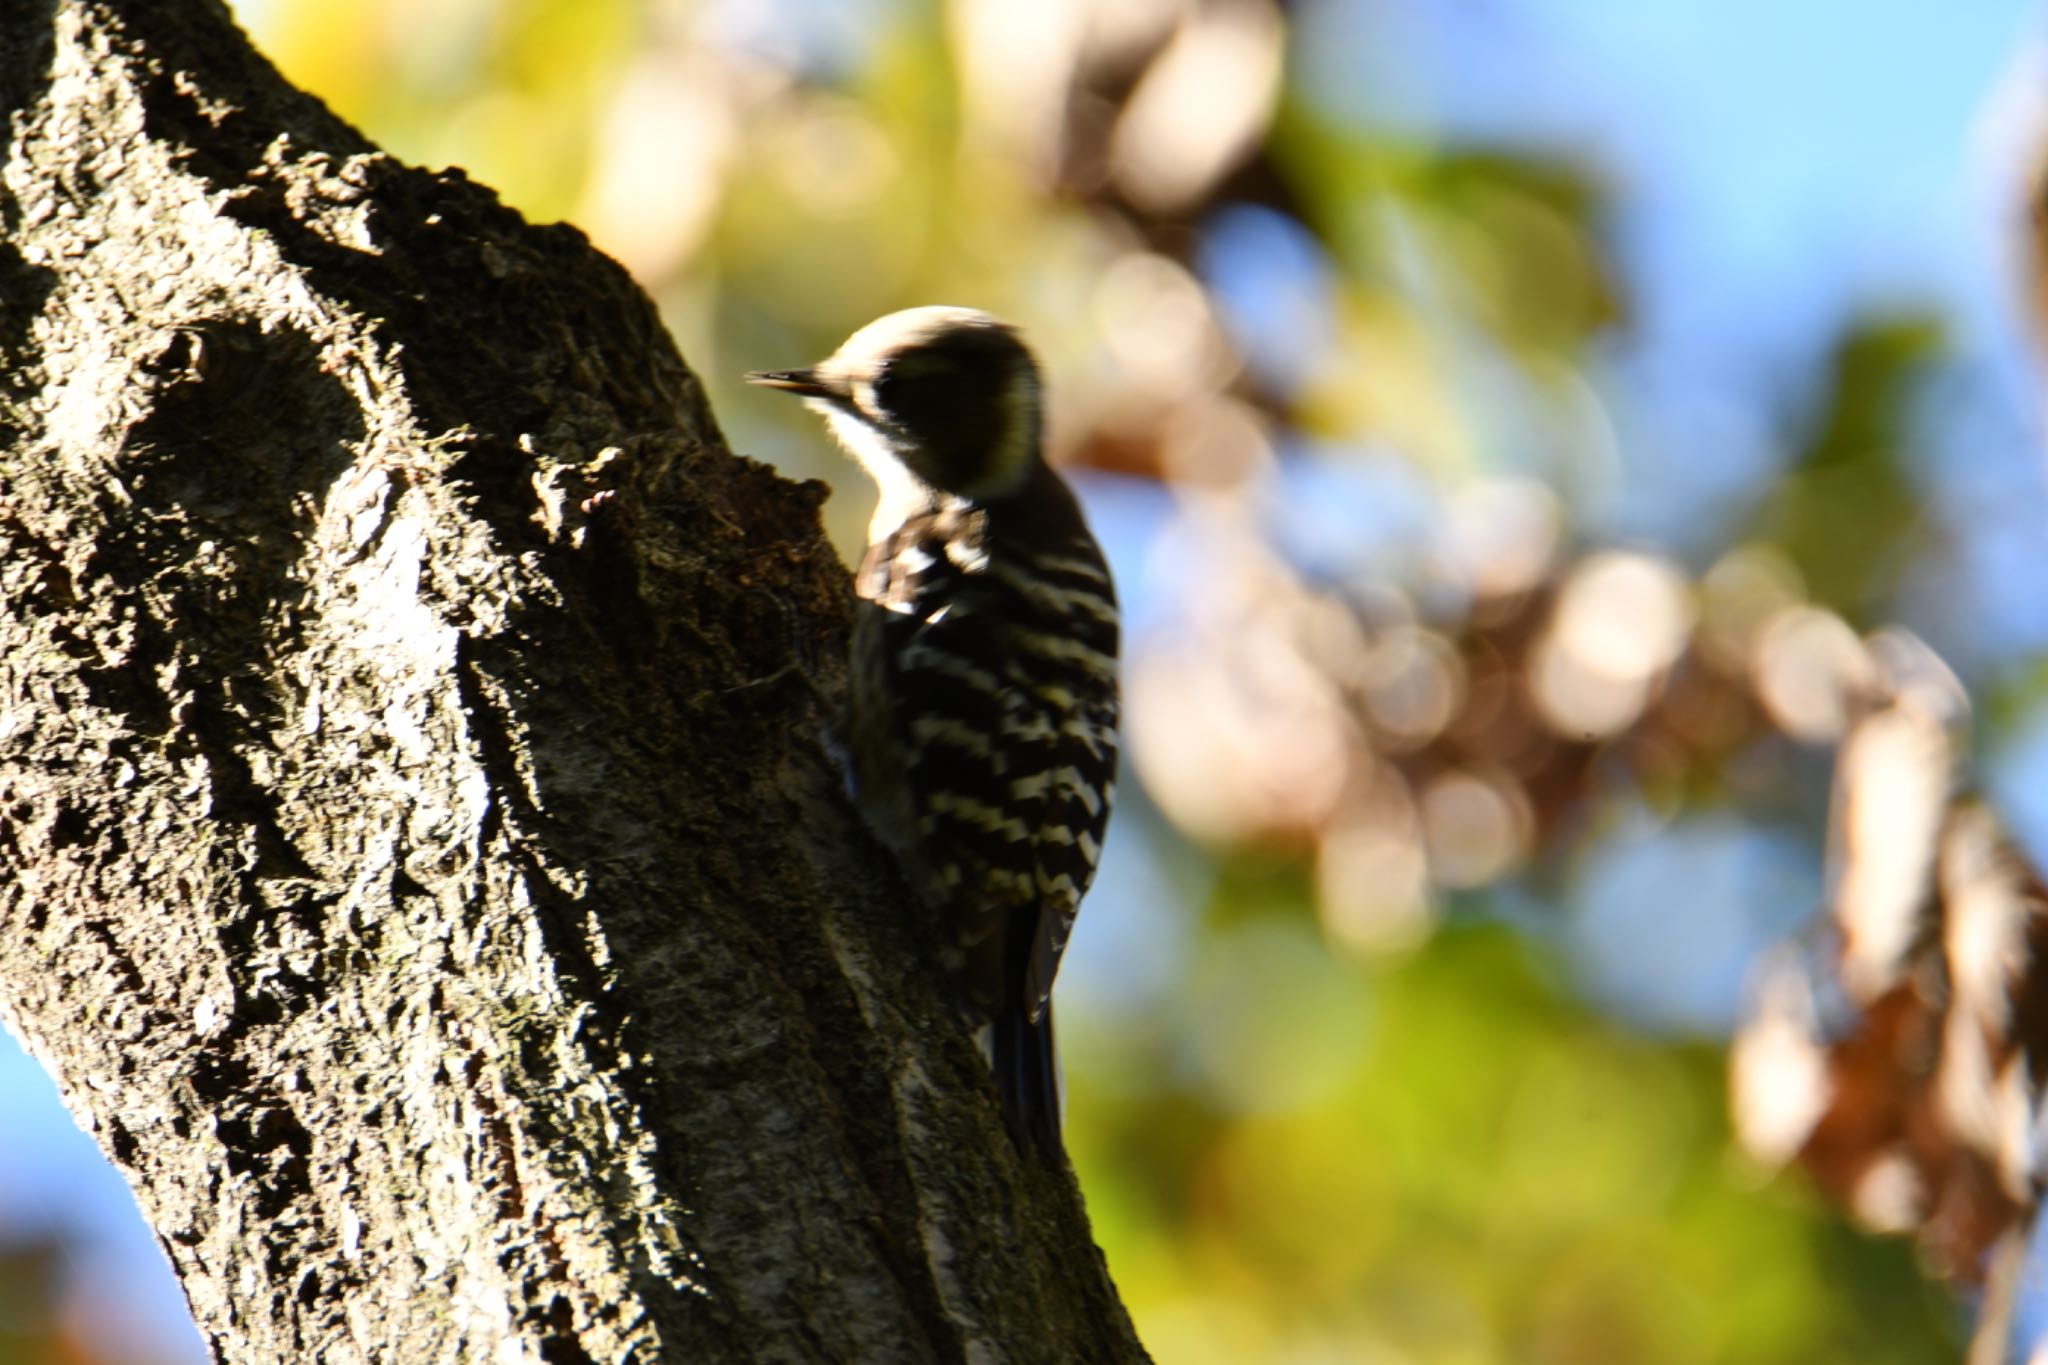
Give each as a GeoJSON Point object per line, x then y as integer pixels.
{"type": "Point", "coordinates": [418, 862]}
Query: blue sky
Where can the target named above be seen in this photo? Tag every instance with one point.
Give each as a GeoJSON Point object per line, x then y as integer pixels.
{"type": "Point", "coordinates": [1778, 168]}
{"type": "Point", "coordinates": [1801, 156]}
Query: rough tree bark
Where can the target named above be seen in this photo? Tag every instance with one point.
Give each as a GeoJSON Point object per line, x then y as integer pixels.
{"type": "Point", "coordinates": [418, 864]}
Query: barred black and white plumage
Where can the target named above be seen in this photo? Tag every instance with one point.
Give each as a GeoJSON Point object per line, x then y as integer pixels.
{"type": "Point", "coordinates": [982, 726]}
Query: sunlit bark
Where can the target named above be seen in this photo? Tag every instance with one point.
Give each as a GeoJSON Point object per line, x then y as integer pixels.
{"type": "Point", "coordinates": [421, 869]}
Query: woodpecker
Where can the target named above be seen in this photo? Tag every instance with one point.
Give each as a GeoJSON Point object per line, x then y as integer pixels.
{"type": "Point", "coordinates": [981, 725]}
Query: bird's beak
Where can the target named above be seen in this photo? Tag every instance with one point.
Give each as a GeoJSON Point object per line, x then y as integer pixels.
{"type": "Point", "coordinates": [805, 382]}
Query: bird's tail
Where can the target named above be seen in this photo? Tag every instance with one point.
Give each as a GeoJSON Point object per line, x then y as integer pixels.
{"type": "Point", "coordinates": [1027, 1079]}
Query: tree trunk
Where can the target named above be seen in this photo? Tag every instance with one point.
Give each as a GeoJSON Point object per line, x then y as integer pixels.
{"type": "Point", "coordinates": [422, 871]}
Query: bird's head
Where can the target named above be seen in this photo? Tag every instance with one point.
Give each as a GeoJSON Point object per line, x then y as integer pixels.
{"type": "Point", "coordinates": [949, 396]}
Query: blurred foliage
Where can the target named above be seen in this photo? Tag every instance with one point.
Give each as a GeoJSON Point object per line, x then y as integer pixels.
{"type": "Point", "coordinates": [31, 1332]}
{"type": "Point", "coordinates": [1481, 1170]}
{"type": "Point", "coordinates": [1336, 1095]}
{"type": "Point", "coordinates": [1848, 513]}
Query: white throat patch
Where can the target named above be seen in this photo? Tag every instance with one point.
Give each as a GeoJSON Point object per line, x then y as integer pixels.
{"type": "Point", "coordinates": [902, 492]}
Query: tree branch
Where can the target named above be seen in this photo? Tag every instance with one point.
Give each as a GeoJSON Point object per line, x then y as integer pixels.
{"type": "Point", "coordinates": [421, 872]}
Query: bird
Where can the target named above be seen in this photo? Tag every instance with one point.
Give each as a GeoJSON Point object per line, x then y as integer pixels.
{"type": "Point", "coordinates": [981, 723]}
